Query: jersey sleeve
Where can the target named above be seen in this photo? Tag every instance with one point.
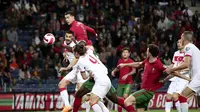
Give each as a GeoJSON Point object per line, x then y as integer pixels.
{"type": "Point", "coordinates": [188, 51]}
{"type": "Point", "coordinates": [90, 51]}
{"type": "Point", "coordinates": [81, 65]}
{"type": "Point", "coordinates": [162, 67]}
{"type": "Point", "coordinates": [119, 62]}
{"type": "Point", "coordinates": [89, 29]}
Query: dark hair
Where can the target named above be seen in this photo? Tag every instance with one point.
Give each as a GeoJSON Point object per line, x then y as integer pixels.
{"type": "Point", "coordinates": [126, 48]}
{"type": "Point", "coordinates": [188, 35]}
{"type": "Point", "coordinates": [69, 32]}
{"type": "Point", "coordinates": [82, 42]}
{"type": "Point", "coordinates": [153, 49]}
{"type": "Point", "coordinates": [70, 13]}
{"type": "Point", "coordinates": [80, 49]}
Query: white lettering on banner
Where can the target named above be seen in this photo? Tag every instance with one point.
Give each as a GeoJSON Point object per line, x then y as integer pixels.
{"type": "Point", "coordinates": [21, 103]}
{"type": "Point", "coordinates": [29, 102]}
{"type": "Point", "coordinates": [159, 100]}
{"type": "Point", "coordinates": [151, 102]}
{"type": "Point", "coordinates": [54, 101]}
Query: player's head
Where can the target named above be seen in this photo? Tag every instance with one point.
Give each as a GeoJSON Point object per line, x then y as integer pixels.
{"type": "Point", "coordinates": [186, 37]}
{"type": "Point", "coordinates": [82, 42]}
{"type": "Point", "coordinates": [79, 50]}
{"type": "Point", "coordinates": [69, 17]}
{"type": "Point", "coordinates": [68, 37]}
{"type": "Point", "coordinates": [125, 53]}
{"type": "Point", "coordinates": [152, 50]}
{"type": "Point", "coordinates": [179, 44]}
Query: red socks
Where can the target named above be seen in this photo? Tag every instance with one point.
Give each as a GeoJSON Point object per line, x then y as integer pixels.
{"type": "Point", "coordinates": [182, 99]}
{"type": "Point", "coordinates": [120, 101]}
{"type": "Point", "coordinates": [77, 104]}
{"type": "Point", "coordinates": [119, 108]}
{"type": "Point", "coordinates": [130, 108]}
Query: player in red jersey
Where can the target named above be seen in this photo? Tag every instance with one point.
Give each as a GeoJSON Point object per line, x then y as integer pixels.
{"type": "Point", "coordinates": [125, 76]}
{"type": "Point", "coordinates": [153, 70]}
{"type": "Point", "coordinates": [79, 29]}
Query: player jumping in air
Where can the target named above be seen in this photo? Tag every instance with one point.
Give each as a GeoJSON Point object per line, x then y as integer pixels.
{"type": "Point", "coordinates": [191, 60]}
{"type": "Point", "coordinates": [177, 84]}
{"type": "Point", "coordinates": [79, 29]}
{"type": "Point", "coordinates": [125, 76]}
{"type": "Point", "coordinates": [73, 76]}
{"type": "Point", "coordinates": [87, 62]}
{"type": "Point", "coordinates": [153, 70]}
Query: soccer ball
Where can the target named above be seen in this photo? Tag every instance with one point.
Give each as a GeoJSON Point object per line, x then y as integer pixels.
{"type": "Point", "coordinates": [49, 39]}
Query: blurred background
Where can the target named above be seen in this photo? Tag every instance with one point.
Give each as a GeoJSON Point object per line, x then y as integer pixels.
{"type": "Point", "coordinates": [27, 65]}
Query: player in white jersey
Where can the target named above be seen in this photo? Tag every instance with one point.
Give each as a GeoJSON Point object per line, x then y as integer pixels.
{"type": "Point", "coordinates": [177, 84]}
{"type": "Point", "coordinates": [73, 76]}
{"type": "Point", "coordinates": [191, 60]}
{"type": "Point", "coordinates": [87, 62]}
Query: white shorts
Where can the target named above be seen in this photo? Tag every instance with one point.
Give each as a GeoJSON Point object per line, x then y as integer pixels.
{"type": "Point", "coordinates": [101, 88]}
{"type": "Point", "coordinates": [74, 76]}
{"type": "Point", "coordinates": [195, 83]}
{"type": "Point", "coordinates": [177, 86]}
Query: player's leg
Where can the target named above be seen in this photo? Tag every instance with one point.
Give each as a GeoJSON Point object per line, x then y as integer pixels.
{"type": "Point", "coordinates": [177, 102]}
{"type": "Point", "coordinates": [140, 109]}
{"type": "Point", "coordinates": [99, 90]}
{"type": "Point", "coordinates": [120, 90]}
{"type": "Point", "coordinates": [127, 90]}
{"type": "Point", "coordinates": [85, 88]}
{"type": "Point", "coordinates": [169, 101]}
{"type": "Point", "coordinates": [141, 98]}
{"type": "Point", "coordinates": [190, 90]}
{"type": "Point", "coordinates": [63, 91]}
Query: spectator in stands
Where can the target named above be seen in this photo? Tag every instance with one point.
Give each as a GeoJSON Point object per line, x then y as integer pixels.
{"type": "Point", "coordinates": [24, 72]}
{"type": "Point", "coordinates": [36, 73]}
{"type": "Point", "coordinates": [36, 61]}
{"type": "Point", "coordinates": [12, 35]}
{"type": "Point", "coordinates": [112, 60]}
{"type": "Point", "coordinates": [3, 35]}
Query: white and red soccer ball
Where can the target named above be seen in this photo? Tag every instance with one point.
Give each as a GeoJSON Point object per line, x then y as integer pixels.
{"type": "Point", "coordinates": [49, 39]}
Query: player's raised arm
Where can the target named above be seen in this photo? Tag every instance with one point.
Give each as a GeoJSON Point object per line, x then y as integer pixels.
{"type": "Point", "coordinates": [91, 30]}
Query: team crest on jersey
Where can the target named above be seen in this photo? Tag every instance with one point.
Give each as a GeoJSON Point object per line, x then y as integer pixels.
{"type": "Point", "coordinates": [187, 48]}
{"type": "Point", "coordinates": [153, 69]}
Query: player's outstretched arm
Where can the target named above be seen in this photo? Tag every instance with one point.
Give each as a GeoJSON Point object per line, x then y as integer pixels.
{"type": "Point", "coordinates": [74, 61]}
{"type": "Point", "coordinates": [178, 74]}
{"type": "Point", "coordinates": [91, 30]}
{"type": "Point", "coordinates": [114, 71]}
{"type": "Point", "coordinates": [134, 64]}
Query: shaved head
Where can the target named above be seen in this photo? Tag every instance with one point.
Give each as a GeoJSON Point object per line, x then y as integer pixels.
{"type": "Point", "coordinates": [188, 35]}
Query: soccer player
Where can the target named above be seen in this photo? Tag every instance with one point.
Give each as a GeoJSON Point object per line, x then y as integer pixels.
{"type": "Point", "coordinates": [177, 84]}
{"type": "Point", "coordinates": [125, 76]}
{"type": "Point", "coordinates": [191, 60]}
{"type": "Point", "coordinates": [87, 62]}
{"type": "Point", "coordinates": [79, 29]}
{"type": "Point", "coordinates": [74, 76]}
{"type": "Point", "coordinates": [153, 70]}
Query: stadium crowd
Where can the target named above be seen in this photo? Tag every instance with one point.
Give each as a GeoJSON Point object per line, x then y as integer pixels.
{"type": "Point", "coordinates": [118, 23]}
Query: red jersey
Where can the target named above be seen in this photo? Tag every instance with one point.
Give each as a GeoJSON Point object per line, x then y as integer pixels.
{"type": "Point", "coordinates": [125, 70]}
{"type": "Point", "coordinates": [152, 74]}
{"type": "Point", "coordinates": [80, 31]}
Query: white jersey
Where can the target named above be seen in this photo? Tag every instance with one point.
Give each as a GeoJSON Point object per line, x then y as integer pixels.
{"type": "Point", "coordinates": [70, 55]}
{"type": "Point", "coordinates": [178, 58]}
{"type": "Point", "coordinates": [90, 63]}
{"type": "Point", "coordinates": [192, 51]}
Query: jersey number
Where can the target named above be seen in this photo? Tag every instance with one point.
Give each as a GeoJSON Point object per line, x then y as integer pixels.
{"type": "Point", "coordinates": [93, 60]}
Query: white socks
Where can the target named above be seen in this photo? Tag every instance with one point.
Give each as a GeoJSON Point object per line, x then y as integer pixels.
{"type": "Point", "coordinates": [96, 108]}
{"type": "Point", "coordinates": [184, 107]}
{"type": "Point", "coordinates": [86, 105]}
{"type": "Point", "coordinates": [168, 106]}
{"type": "Point", "coordinates": [64, 95]}
{"type": "Point", "coordinates": [103, 107]}
{"type": "Point", "coordinates": [178, 106]}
